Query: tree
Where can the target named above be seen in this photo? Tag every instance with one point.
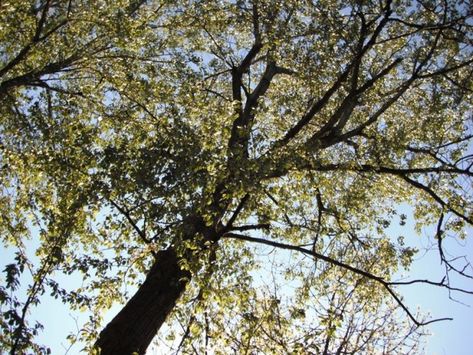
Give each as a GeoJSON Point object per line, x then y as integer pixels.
{"type": "Point", "coordinates": [164, 139]}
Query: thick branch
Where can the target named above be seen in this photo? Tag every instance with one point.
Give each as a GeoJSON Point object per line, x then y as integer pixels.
{"type": "Point", "coordinates": [345, 109]}
{"type": "Point", "coordinates": [237, 211]}
{"type": "Point", "coordinates": [315, 108]}
{"type": "Point", "coordinates": [374, 117]}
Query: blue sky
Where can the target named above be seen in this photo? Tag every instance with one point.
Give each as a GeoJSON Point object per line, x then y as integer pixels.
{"type": "Point", "coordinates": [447, 337]}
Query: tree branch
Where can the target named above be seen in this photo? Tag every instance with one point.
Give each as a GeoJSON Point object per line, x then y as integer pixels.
{"type": "Point", "coordinates": [337, 263]}
{"type": "Point", "coordinates": [436, 197]}
{"type": "Point", "coordinates": [439, 284]}
{"type": "Point", "coordinates": [237, 211]}
{"type": "Point", "coordinates": [250, 227]}
{"type": "Point", "coordinates": [137, 229]}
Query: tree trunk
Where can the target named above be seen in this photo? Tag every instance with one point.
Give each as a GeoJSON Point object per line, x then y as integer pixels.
{"type": "Point", "coordinates": [134, 327]}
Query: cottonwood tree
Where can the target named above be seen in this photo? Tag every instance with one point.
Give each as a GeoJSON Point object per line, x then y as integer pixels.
{"type": "Point", "coordinates": [156, 143]}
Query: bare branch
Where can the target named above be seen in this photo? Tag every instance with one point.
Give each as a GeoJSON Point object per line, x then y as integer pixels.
{"type": "Point", "coordinates": [439, 235]}
{"type": "Point", "coordinates": [439, 284]}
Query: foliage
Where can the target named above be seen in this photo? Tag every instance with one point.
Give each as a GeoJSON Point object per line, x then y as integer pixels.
{"type": "Point", "coordinates": [296, 124]}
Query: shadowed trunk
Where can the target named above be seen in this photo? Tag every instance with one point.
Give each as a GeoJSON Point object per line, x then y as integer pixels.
{"type": "Point", "coordinates": [134, 327]}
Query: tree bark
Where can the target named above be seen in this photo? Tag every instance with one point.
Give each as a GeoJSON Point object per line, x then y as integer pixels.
{"type": "Point", "coordinates": [134, 327]}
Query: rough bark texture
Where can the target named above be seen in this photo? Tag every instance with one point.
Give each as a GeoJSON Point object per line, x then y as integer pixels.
{"type": "Point", "coordinates": [133, 329]}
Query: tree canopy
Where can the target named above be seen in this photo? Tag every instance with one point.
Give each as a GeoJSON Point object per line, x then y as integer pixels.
{"type": "Point", "coordinates": [183, 149]}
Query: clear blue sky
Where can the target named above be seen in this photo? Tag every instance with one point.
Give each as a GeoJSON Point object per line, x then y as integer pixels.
{"type": "Point", "coordinates": [448, 337]}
